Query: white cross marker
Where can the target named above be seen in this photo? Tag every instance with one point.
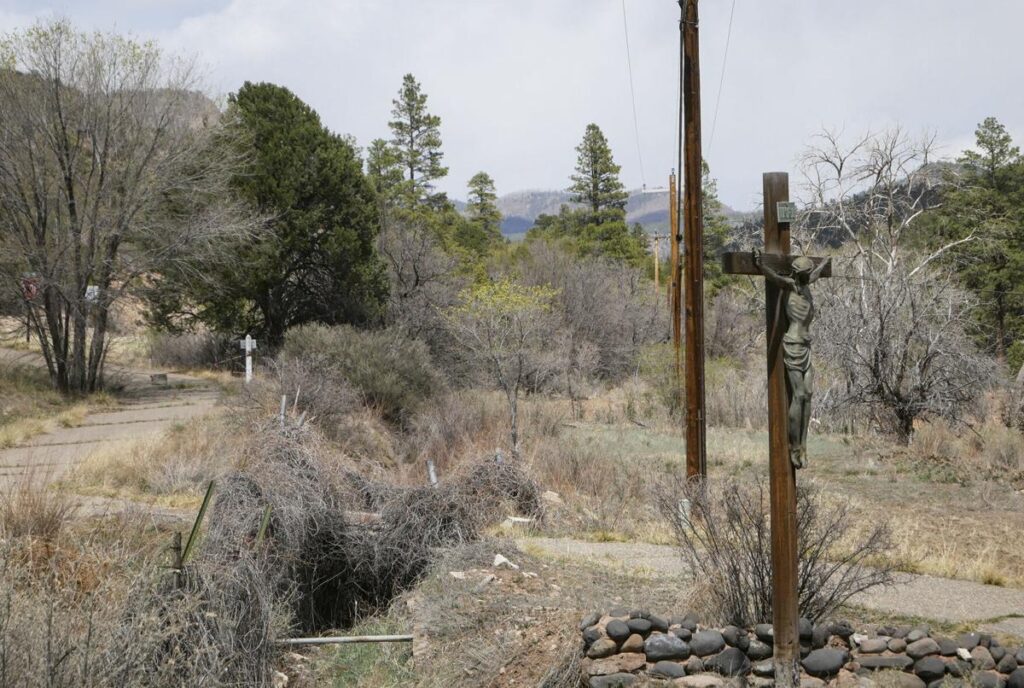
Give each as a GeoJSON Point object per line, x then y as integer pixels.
{"type": "Point", "coordinates": [249, 345]}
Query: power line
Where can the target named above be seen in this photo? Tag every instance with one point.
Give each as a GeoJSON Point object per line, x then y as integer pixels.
{"type": "Point", "coordinates": [632, 95]}
{"type": "Point", "coordinates": [721, 79]}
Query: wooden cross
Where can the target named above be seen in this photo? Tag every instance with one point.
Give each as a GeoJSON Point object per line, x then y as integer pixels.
{"type": "Point", "coordinates": [782, 475]}
{"type": "Point", "coordinates": [248, 345]}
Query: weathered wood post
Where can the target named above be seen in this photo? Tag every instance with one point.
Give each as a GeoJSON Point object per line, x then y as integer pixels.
{"type": "Point", "coordinates": [782, 474]}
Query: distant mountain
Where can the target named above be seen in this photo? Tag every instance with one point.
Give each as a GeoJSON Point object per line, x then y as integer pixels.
{"type": "Point", "coordinates": [648, 208]}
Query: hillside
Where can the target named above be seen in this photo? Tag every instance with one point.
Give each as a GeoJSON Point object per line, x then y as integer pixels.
{"type": "Point", "coordinates": [519, 209]}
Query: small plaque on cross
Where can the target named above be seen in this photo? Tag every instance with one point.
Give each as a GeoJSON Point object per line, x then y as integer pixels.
{"type": "Point", "coordinates": [785, 211]}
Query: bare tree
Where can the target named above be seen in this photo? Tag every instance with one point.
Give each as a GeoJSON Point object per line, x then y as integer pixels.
{"type": "Point", "coordinates": [505, 329]}
{"type": "Point", "coordinates": [106, 170]}
{"type": "Point", "coordinates": [892, 321]}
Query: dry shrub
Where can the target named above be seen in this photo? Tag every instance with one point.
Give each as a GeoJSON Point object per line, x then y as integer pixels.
{"type": "Point", "coordinates": [737, 394]}
{"type": "Point", "coordinates": [301, 559]}
{"type": "Point", "coordinates": [991, 452]}
{"type": "Point", "coordinates": [724, 535]}
{"type": "Point", "coordinates": [469, 423]}
{"type": "Point", "coordinates": [193, 350]}
{"type": "Point", "coordinates": [97, 608]}
{"type": "Point", "coordinates": [417, 523]}
{"type": "Point", "coordinates": [28, 509]}
{"type": "Point", "coordinates": [392, 372]}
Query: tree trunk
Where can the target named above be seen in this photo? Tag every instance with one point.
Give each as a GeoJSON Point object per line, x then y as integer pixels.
{"type": "Point", "coordinates": [513, 411]}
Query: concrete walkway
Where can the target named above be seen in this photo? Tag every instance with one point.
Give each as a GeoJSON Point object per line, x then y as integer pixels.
{"type": "Point", "coordinates": [144, 409]}
{"type": "Point", "coordinates": [942, 599]}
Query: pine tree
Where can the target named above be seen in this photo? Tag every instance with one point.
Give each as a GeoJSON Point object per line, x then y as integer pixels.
{"type": "Point", "coordinates": [989, 202]}
{"type": "Point", "coordinates": [416, 138]}
{"type": "Point", "coordinates": [596, 181]}
{"type": "Point", "coordinates": [384, 170]}
{"type": "Point", "coordinates": [482, 207]}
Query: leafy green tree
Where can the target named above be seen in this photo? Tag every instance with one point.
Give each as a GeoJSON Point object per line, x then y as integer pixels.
{"type": "Point", "coordinates": [416, 139]}
{"type": "Point", "coordinates": [317, 261]}
{"type": "Point", "coordinates": [482, 228]}
{"type": "Point", "coordinates": [505, 329]}
{"type": "Point", "coordinates": [987, 206]}
{"type": "Point", "coordinates": [595, 182]}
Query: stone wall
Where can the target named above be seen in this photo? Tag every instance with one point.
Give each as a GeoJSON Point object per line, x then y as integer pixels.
{"type": "Point", "coordinates": [635, 648]}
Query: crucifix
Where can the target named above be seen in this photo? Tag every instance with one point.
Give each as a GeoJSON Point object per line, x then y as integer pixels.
{"type": "Point", "coordinates": [789, 310]}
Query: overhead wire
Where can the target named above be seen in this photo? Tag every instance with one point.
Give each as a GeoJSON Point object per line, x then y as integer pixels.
{"type": "Point", "coordinates": [721, 78]}
{"type": "Point", "coordinates": [632, 95]}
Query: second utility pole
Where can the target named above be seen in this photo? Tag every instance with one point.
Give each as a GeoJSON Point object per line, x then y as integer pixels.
{"type": "Point", "coordinates": [693, 226]}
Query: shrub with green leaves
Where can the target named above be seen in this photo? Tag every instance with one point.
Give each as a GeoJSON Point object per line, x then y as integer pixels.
{"type": "Point", "coordinates": [393, 373]}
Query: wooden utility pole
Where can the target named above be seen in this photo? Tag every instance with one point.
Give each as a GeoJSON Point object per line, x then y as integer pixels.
{"type": "Point", "coordinates": [657, 264]}
{"type": "Point", "coordinates": [675, 297]}
{"type": "Point", "coordinates": [693, 225]}
{"type": "Point", "coordinates": [782, 475]}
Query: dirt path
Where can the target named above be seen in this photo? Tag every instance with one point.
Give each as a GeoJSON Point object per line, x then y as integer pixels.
{"type": "Point", "coordinates": [987, 607]}
{"type": "Point", "coordinates": [144, 409]}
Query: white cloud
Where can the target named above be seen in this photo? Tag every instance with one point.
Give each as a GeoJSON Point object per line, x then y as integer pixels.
{"type": "Point", "coordinates": [516, 81]}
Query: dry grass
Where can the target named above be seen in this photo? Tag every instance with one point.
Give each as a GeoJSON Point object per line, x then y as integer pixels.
{"type": "Point", "coordinates": [30, 509]}
{"type": "Point", "coordinates": [174, 467]}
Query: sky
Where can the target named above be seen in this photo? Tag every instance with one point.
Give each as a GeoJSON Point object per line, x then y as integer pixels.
{"type": "Point", "coordinates": [515, 82]}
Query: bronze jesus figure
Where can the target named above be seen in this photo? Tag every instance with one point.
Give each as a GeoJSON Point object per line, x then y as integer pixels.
{"type": "Point", "coordinates": [796, 346]}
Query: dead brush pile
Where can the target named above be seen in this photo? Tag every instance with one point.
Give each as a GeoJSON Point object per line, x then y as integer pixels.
{"type": "Point", "coordinates": [416, 524]}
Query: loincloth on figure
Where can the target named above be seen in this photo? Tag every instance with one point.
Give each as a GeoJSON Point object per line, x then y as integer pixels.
{"type": "Point", "coordinates": [796, 352]}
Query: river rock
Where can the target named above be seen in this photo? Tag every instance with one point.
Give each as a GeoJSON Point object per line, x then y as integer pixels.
{"type": "Point", "coordinates": [665, 646]}
{"type": "Point", "coordinates": [1015, 679]}
{"type": "Point", "coordinates": [619, 613]}
{"type": "Point", "coordinates": [592, 634]}
{"type": "Point", "coordinates": [987, 679]}
{"type": "Point", "coordinates": [1007, 665]}
{"type": "Point", "coordinates": [612, 681]}
{"type": "Point", "coordinates": [639, 625]}
{"type": "Point", "coordinates": [897, 645]}
{"type": "Point", "coordinates": [878, 662]}
{"type": "Point", "coordinates": [843, 629]}
{"type": "Point", "coordinates": [968, 641]}
{"type": "Point", "coordinates": [819, 637]}
{"type": "Point", "coordinates": [639, 614]}
{"type": "Point", "coordinates": [922, 648]}
{"type": "Point", "coordinates": [666, 669]}
{"type": "Point", "coordinates": [617, 664]}
{"type": "Point", "coordinates": [602, 647]}
{"type": "Point", "coordinates": [916, 634]}
{"type": "Point", "coordinates": [699, 681]}
{"type": "Point", "coordinates": [589, 620]}
{"type": "Point", "coordinates": [681, 633]}
{"type": "Point", "coordinates": [658, 623]}
{"type": "Point", "coordinates": [947, 646]}
{"type": "Point", "coordinates": [811, 682]}
{"type": "Point", "coordinates": [996, 651]}
{"type": "Point", "coordinates": [874, 646]}
{"type": "Point", "coordinates": [634, 643]}
{"type": "Point", "coordinates": [694, 665]}
{"type": "Point", "coordinates": [731, 661]}
{"type": "Point", "coordinates": [765, 669]}
{"type": "Point", "coordinates": [617, 630]}
{"type": "Point", "coordinates": [930, 668]}
{"type": "Point", "coordinates": [825, 662]}
{"type": "Point", "coordinates": [981, 658]}
{"type": "Point", "coordinates": [764, 633]}
{"type": "Point", "coordinates": [706, 643]}
{"type": "Point", "coordinates": [758, 650]}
